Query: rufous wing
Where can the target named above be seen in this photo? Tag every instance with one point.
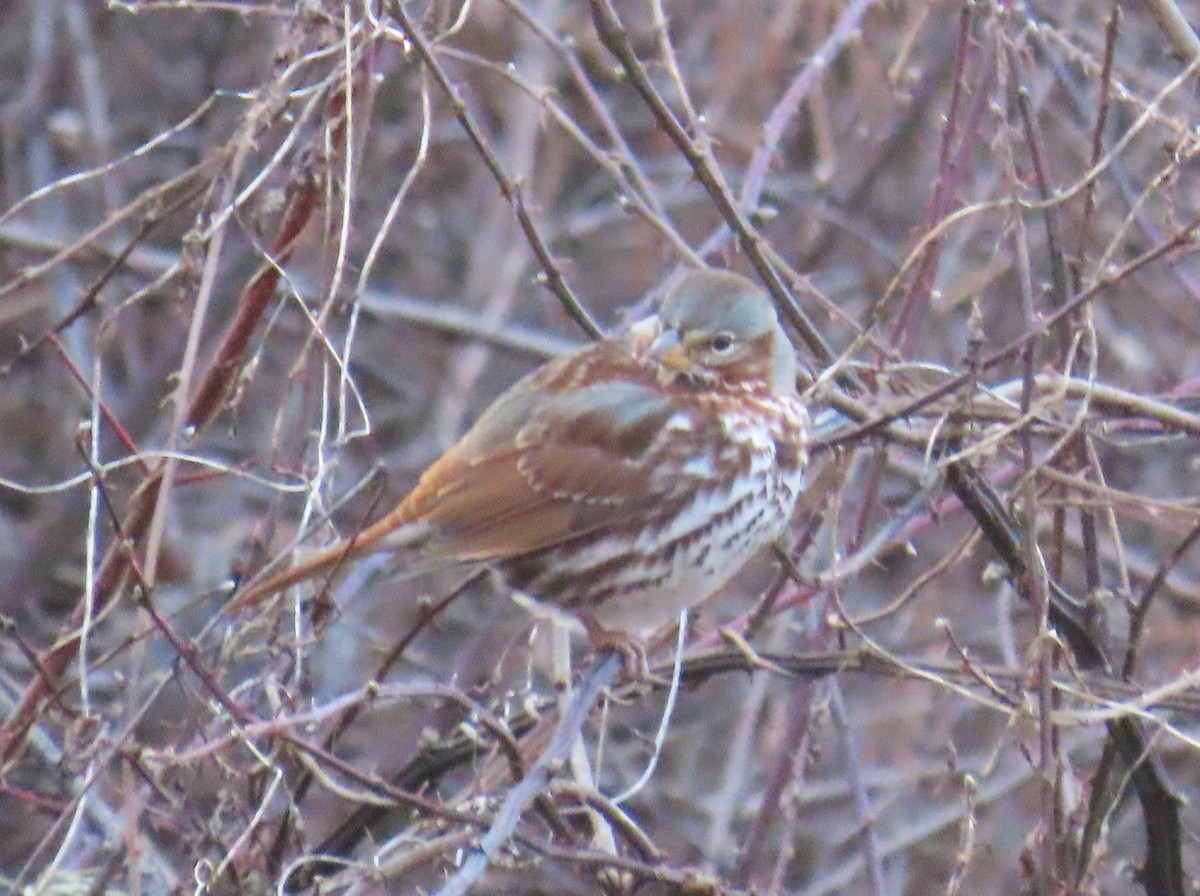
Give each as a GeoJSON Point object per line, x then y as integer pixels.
{"type": "Point", "coordinates": [583, 458]}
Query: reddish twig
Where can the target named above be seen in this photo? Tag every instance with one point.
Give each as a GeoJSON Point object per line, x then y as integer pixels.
{"type": "Point", "coordinates": [944, 185]}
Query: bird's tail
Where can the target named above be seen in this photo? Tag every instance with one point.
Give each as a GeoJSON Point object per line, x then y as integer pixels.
{"type": "Point", "coordinates": [390, 533]}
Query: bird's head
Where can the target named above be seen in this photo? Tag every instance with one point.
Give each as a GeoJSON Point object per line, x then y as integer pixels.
{"type": "Point", "coordinates": [718, 328]}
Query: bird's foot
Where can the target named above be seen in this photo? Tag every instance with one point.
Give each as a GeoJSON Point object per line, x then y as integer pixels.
{"type": "Point", "coordinates": [631, 649]}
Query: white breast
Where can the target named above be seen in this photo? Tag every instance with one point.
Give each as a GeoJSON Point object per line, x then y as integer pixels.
{"type": "Point", "coordinates": [709, 541]}
{"type": "Point", "coordinates": [635, 579]}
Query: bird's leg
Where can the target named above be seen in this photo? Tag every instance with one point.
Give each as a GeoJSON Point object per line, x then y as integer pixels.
{"type": "Point", "coordinates": [630, 649]}
{"type": "Point", "coordinates": [603, 837]}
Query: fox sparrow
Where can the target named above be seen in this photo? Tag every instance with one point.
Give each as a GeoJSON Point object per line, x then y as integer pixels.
{"type": "Point", "coordinates": [622, 482]}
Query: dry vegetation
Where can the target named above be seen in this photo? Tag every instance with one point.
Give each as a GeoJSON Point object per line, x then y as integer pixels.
{"type": "Point", "coordinates": [260, 263]}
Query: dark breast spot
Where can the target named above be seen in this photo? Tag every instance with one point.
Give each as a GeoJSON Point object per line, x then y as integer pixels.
{"type": "Point", "coordinates": [787, 453]}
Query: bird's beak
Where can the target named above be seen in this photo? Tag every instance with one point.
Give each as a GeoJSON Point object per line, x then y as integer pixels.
{"type": "Point", "coordinates": [668, 351]}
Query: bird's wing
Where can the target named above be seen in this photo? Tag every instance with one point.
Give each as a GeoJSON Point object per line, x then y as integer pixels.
{"type": "Point", "coordinates": [540, 468]}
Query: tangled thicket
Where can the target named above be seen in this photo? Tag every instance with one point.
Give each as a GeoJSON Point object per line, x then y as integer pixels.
{"type": "Point", "coordinates": [260, 263]}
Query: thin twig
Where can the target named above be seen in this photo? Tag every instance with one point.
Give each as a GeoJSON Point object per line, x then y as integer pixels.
{"type": "Point", "coordinates": [597, 677]}
{"type": "Point", "coordinates": [614, 36]}
{"type": "Point", "coordinates": [512, 191]}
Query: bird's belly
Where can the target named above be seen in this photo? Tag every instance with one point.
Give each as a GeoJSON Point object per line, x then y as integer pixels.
{"type": "Point", "coordinates": [638, 578]}
{"type": "Point", "coordinates": [692, 577]}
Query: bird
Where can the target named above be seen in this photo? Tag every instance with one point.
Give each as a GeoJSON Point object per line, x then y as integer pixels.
{"type": "Point", "coordinates": [622, 482]}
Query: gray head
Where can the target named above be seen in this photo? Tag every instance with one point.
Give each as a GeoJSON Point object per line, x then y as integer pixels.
{"type": "Point", "coordinates": [719, 326]}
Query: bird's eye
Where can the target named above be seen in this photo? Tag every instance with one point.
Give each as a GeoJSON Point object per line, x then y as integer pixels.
{"type": "Point", "coordinates": [721, 343]}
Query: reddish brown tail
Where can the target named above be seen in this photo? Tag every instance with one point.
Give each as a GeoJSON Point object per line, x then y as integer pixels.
{"type": "Point", "coordinates": [328, 562]}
